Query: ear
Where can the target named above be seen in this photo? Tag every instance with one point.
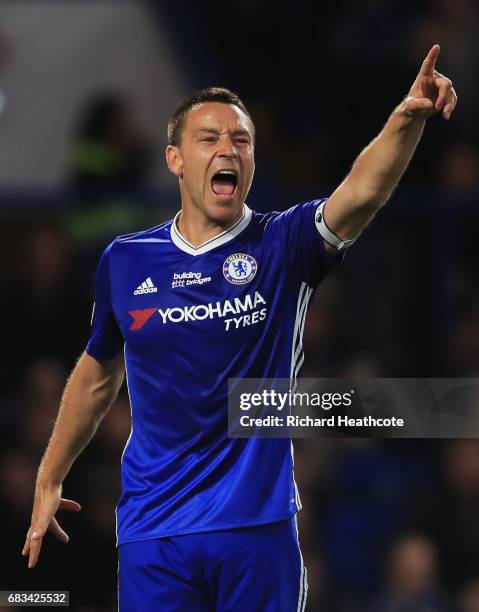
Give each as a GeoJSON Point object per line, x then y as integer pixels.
{"type": "Point", "coordinates": [174, 160]}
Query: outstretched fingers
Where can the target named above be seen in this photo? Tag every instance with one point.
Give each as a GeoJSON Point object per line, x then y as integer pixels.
{"type": "Point", "coordinates": [39, 528]}
{"type": "Point", "coordinates": [35, 546]}
{"type": "Point", "coordinates": [26, 546]}
{"type": "Point", "coordinates": [54, 527]}
{"type": "Point", "coordinates": [46, 521]}
{"type": "Point", "coordinates": [69, 504]}
{"type": "Point", "coordinates": [57, 531]}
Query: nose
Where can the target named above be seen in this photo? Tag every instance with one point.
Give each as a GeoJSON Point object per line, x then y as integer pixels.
{"type": "Point", "coordinates": [226, 147]}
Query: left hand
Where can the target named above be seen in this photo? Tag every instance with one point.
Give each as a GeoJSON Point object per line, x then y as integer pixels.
{"type": "Point", "coordinates": [431, 92]}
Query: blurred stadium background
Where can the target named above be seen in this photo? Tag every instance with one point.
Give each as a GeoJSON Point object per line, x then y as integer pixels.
{"type": "Point", "coordinates": [86, 90]}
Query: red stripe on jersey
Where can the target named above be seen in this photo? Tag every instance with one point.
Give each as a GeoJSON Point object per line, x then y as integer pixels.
{"type": "Point", "coordinates": [140, 317]}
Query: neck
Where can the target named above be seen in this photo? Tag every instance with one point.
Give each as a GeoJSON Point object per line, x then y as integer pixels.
{"type": "Point", "coordinates": [197, 228]}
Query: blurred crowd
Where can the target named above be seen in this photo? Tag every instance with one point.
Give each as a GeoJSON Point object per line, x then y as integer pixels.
{"type": "Point", "coordinates": [386, 525]}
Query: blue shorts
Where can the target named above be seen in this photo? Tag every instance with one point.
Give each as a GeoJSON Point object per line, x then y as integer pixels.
{"type": "Point", "coordinates": [253, 569]}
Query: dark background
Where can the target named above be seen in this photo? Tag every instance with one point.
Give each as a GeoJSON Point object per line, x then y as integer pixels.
{"type": "Point", "coordinates": [387, 526]}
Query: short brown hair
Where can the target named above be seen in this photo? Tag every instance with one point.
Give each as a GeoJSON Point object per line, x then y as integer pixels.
{"type": "Point", "coordinates": [210, 94]}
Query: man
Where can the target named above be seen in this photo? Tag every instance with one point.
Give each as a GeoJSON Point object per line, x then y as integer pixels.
{"type": "Point", "coordinates": [206, 522]}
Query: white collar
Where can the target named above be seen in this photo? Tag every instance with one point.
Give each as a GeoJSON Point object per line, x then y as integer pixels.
{"type": "Point", "coordinates": [214, 242]}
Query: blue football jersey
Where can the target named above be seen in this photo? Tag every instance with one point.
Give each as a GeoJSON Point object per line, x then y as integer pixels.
{"type": "Point", "coordinates": [188, 318]}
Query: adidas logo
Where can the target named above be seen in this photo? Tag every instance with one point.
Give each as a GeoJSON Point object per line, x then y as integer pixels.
{"type": "Point", "coordinates": [145, 287]}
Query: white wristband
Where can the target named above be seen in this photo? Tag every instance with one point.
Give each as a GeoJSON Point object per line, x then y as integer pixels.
{"type": "Point", "coordinates": [327, 234]}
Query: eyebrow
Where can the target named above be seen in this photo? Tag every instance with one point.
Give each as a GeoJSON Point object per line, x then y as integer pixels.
{"type": "Point", "coordinates": [237, 132]}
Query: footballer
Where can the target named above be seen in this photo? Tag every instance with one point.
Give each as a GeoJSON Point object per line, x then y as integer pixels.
{"type": "Point", "coordinates": [205, 522]}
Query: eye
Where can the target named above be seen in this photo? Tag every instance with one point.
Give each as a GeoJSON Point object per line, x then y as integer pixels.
{"type": "Point", "coordinates": [208, 139]}
{"type": "Point", "coordinates": [243, 141]}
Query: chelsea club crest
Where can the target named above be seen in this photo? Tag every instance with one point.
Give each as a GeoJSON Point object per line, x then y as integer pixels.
{"type": "Point", "coordinates": [240, 268]}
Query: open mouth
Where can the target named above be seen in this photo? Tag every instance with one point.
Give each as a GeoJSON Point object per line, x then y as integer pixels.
{"type": "Point", "coordinates": [224, 183]}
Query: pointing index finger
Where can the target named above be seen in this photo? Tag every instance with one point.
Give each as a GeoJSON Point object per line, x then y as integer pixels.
{"type": "Point", "coordinates": [427, 68]}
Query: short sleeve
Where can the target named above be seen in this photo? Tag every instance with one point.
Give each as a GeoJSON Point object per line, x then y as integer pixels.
{"type": "Point", "coordinates": [306, 253]}
{"type": "Point", "coordinates": [106, 341]}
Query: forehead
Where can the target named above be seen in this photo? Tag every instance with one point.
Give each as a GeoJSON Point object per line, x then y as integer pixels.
{"type": "Point", "coordinates": [218, 116]}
